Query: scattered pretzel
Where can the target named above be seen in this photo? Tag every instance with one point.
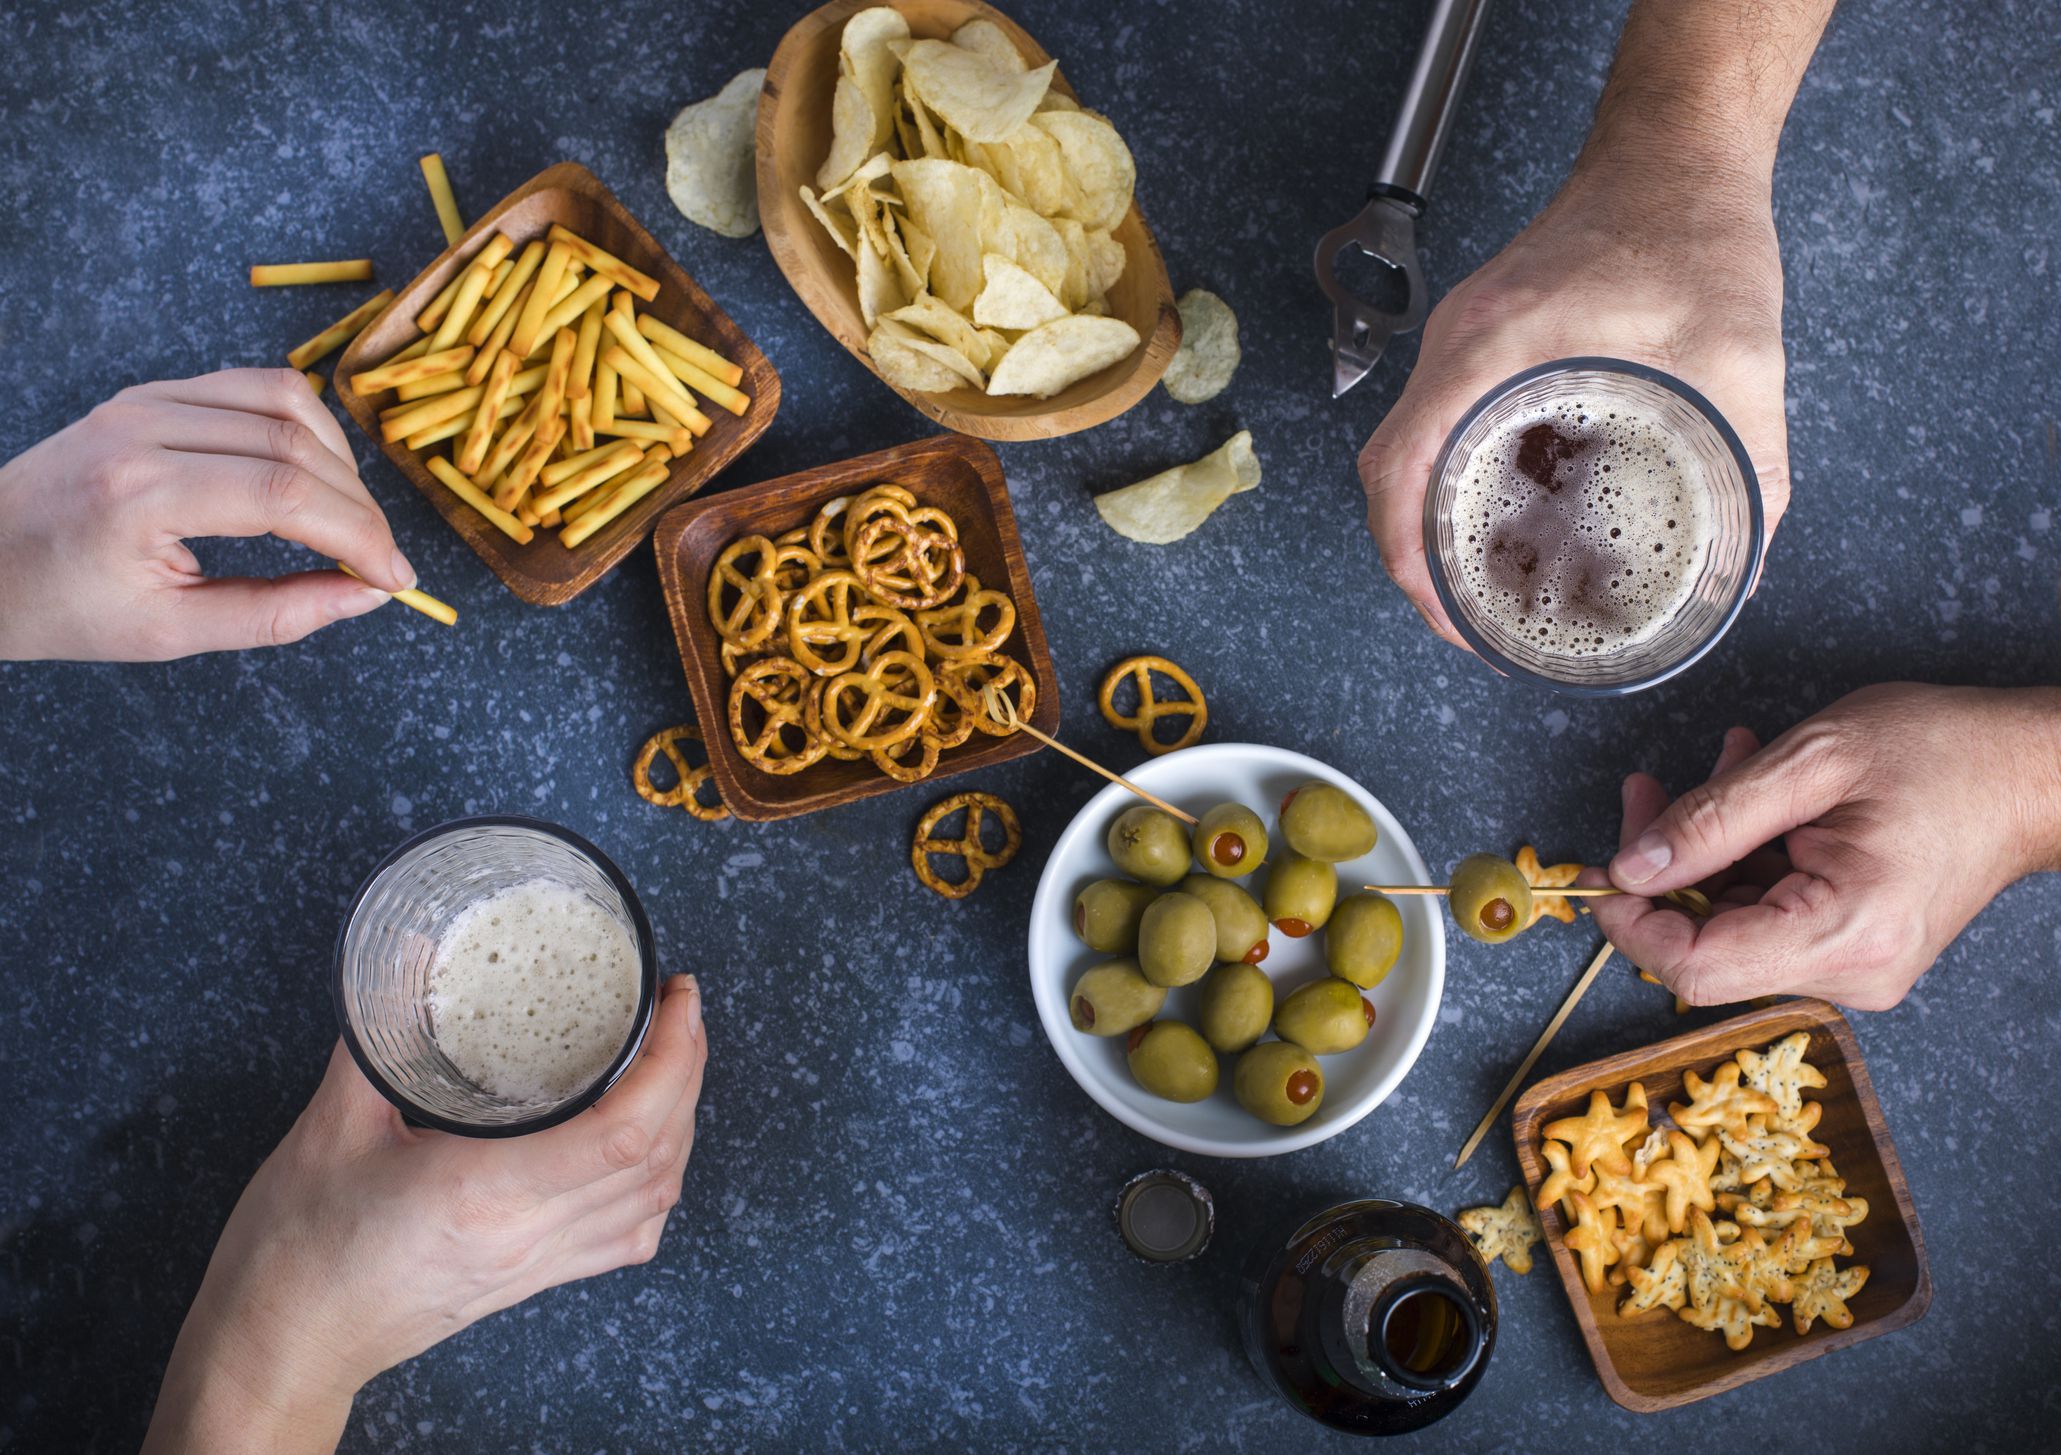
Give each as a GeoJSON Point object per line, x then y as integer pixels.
{"type": "Point", "coordinates": [1151, 710]}
{"type": "Point", "coordinates": [968, 847]}
{"type": "Point", "coordinates": [687, 792]}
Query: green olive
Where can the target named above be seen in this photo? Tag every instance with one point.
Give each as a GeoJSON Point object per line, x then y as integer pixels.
{"type": "Point", "coordinates": [1489, 898]}
{"type": "Point", "coordinates": [1363, 939]}
{"type": "Point", "coordinates": [1324, 1017]}
{"type": "Point", "coordinates": [1241, 923]}
{"type": "Point", "coordinates": [1106, 914]}
{"type": "Point", "coordinates": [1323, 821]}
{"type": "Point", "coordinates": [1177, 939]}
{"type": "Point", "coordinates": [1149, 844]}
{"type": "Point", "coordinates": [1113, 998]}
{"type": "Point", "coordinates": [1279, 1083]}
{"type": "Point", "coordinates": [1299, 894]}
{"type": "Point", "coordinates": [1236, 1004]}
{"type": "Point", "coordinates": [1171, 1060]}
{"type": "Point", "coordinates": [1230, 840]}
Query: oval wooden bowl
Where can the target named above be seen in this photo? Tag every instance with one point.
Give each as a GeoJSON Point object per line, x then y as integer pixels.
{"type": "Point", "coordinates": [793, 139]}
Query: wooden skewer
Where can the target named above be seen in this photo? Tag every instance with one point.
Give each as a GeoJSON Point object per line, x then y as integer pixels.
{"type": "Point", "coordinates": [1692, 900]}
{"type": "Point", "coordinates": [1002, 710]}
{"type": "Point", "coordinates": [1545, 1039]}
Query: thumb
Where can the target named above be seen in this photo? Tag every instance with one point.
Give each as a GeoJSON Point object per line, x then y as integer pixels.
{"type": "Point", "coordinates": [1395, 471]}
{"type": "Point", "coordinates": [230, 613]}
{"type": "Point", "coordinates": [1713, 827]}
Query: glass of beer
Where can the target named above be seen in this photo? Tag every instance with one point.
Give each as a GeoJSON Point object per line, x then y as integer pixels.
{"type": "Point", "coordinates": [1593, 525]}
{"type": "Point", "coordinates": [495, 976]}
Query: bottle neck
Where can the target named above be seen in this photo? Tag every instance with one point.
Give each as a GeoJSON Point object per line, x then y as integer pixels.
{"type": "Point", "coordinates": [1395, 1322]}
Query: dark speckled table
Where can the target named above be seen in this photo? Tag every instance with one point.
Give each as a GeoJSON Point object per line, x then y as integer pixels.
{"type": "Point", "coordinates": [896, 1228]}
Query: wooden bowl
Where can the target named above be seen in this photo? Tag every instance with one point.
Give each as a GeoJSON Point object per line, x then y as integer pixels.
{"type": "Point", "coordinates": [545, 573]}
{"type": "Point", "coordinates": [1654, 1361]}
{"type": "Point", "coordinates": [961, 477]}
{"type": "Point", "coordinates": [793, 139]}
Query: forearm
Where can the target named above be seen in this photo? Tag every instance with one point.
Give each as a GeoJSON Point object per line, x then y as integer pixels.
{"type": "Point", "coordinates": [2030, 780]}
{"type": "Point", "coordinates": [1700, 89]}
{"type": "Point", "coordinates": [229, 1390]}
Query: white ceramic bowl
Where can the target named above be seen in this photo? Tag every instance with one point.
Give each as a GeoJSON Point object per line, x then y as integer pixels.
{"type": "Point", "coordinates": [1405, 1003]}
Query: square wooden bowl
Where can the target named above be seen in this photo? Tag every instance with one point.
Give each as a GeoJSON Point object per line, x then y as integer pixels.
{"type": "Point", "coordinates": [793, 139]}
{"type": "Point", "coordinates": [960, 476]}
{"type": "Point", "coordinates": [545, 573]}
{"type": "Point", "coordinates": [1654, 1361]}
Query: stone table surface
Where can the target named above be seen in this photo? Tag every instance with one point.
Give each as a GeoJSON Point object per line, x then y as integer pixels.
{"type": "Point", "coordinates": [896, 1227]}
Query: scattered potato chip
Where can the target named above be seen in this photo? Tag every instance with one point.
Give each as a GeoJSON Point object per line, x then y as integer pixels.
{"type": "Point", "coordinates": [970, 93]}
{"type": "Point", "coordinates": [1160, 510]}
{"type": "Point", "coordinates": [1013, 298]}
{"type": "Point", "coordinates": [1056, 354]}
{"type": "Point", "coordinates": [710, 152]}
{"type": "Point", "coordinates": [1209, 354]}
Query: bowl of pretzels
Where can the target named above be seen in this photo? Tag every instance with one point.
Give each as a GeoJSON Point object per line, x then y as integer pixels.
{"type": "Point", "coordinates": [845, 630]}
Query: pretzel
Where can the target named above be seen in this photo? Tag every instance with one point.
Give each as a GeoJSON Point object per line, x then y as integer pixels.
{"type": "Point", "coordinates": [891, 501]}
{"type": "Point", "coordinates": [826, 534]}
{"type": "Point", "coordinates": [897, 763]}
{"type": "Point", "coordinates": [907, 565]}
{"type": "Point", "coordinates": [953, 631]}
{"type": "Point", "coordinates": [951, 717]}
{"type": "Point", "coordinates": [749, 620]}
{"type": "Point", "coordinates": [687, 792]}
{"type": "Point", "coordinates": [887, 630]}
{"type": "Point", "coordinates": [812, 719]}
{"type": "Point", "coordinates": [819, 615]}
{"type": "Point", "coordinates": [968, 847]}
{"type": "Point", "coordinates": [1150, 710]}
{"type": "Point", "coordinates": [794, 564]}
{"type": "Point", "coordinates": [881, 706]}
{"type": "Point", "coordinates": [782, 743]}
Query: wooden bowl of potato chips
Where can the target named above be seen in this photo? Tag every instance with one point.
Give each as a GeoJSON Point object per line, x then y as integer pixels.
{"type": "Point", "coordinates": [942, 203]}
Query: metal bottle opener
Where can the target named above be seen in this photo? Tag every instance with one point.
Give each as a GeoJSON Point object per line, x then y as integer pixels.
{"type": "Point", "coordinates": [1386, 228]}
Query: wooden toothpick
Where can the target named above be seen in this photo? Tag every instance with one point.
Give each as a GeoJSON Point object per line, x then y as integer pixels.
{"type": "Point", "coordinates": [1002, 710]}
{"type": "Point", "coordinates": [1692, 900]}
{"type": "Point", "coordinates": [1545, 1039]}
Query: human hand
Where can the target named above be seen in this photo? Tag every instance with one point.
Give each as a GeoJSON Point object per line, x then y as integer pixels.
{"type": "Point", "coordinates": [362, 1241]}
{"type": "Point", "coordinates": [93, 521]}
{"type": "Point", "coordinates": [1682, 273]}
{"type": "Point", "coordinates": [1844, 856]}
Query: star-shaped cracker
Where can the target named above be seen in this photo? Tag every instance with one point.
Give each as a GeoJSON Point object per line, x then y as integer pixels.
{"type": "Point", "coordinates": [1783, 1074]}
{"type": "Point", "coordinates": [1720, 1102]}
{"type": "Point", "coordinates": [1633, 1251]}
{"type": "Point", "coordinates": [1505, 1232]}
{"type": "Point", "coordinates": [1732, 1318]}
{"type": "Point", "coordinates": [1561, 1180]}
{"type": "Point", "coordinates": [1547, 877]}
{"type": "Point", "coordinates": [1822, 1294]}
{"type": "Point", "coordinates": [1707, 1260]}
{"type": "Point", "coordinates": [1683, 1176]}
{"type": "Point", "coordinates": [1650, 1151]}
{"type": "Point", "coordinates": [1631, 1199]}
{"type": "Point", "coordinates": [1821, 1214]}
{"type": "Point", "coordinates": [1662, 1283]}
{"type": "Point", "coordinates": [1760, 1270]}
{"type": "Point", "coordinates": [1598, 1136]}
{"type": "Point", "coordinates": [1592, 1240]}
{"type": "Point", "coordinates": [1765, 1152]}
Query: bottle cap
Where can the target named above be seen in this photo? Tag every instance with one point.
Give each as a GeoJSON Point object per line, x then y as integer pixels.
{"type": "Point", "coordinates": [1165, 1216]}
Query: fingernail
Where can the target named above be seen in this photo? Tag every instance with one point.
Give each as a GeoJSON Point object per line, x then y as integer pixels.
{"type": "Point", "coordinates": [1649, 854]}
{"type": "Point", "coordinates": [693, 1003]}
{"type": "Point", "coordinates": [359, 601]}
{"type": "Point", "coordinates": [403, 572]}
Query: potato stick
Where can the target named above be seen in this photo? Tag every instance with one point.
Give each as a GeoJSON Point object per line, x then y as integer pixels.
{"type": "Point", "coordinates": [628, 493]}
{"type": "Point", "coordinates": [658, 388]}
{"type": "Point", "coordinates": [282, 275]}
{"type": "Point", "coordinates": [470, 455]}
{"type": "Point", "coordinates": [422, 601]}
{"type": "Point", "coordinates": [604, 394]}
{"type": "Point", "coordinates": [693, 377]}
{"type": "Point", "coordinates": [676, 439]}
{"type": "Point", "coordinates": [568, 309]}
{"type": "Point", "coordinates": [414, 351]}
{"type": "Point", "coordinates": [702, 357]}
{"type": "Point", "coordinates": [608, 265]}
{"type": "Point", "coordinates": [550, 519]}
{"type": "Point", "coordinates": [585, 503]}
{"type": "Point", "coordinates": [407, 371]}
{"type": "Point", "coordinates": [557, 373]}
{"type": "Point", "coordinates": [459, 424]}
{"type": "Point", "coordinates": [602, 470]}
{"type": "Point", "coordinates": [504, 452]}
{"type": "Point", "coordinates": [509, 298]}
{"type": "Point", "coordinates": [471, 288]}
{"type": "Point", "coordinates": [525, 383]}
{"type": "Point", "coordinates": [636, 346]}
{"type": "Point", "coordinates": [435, 384]}
{"type": "Point", "coordinates": [440, 194]}
{"type": "Point", "coordinates": [582, 383]}
{"type": "Point", "coordinates": [498, 246]}
{"type": "Point", "coordinates": [550, 273]}
{"type": "Point", "coordinates": [632, 401]}
{"type": "Point", "coordinates": [524, 471]}
{"type": "Point", "coordinates": [696, 426]}
{"type": "Point", "coordinates": [341, 332]}
{"type": "Point", "coordinates": [468, 492]}
{"type": "Point", "coordinates": [315, 381]}
{"type": "Point", "coordinates": [579, 423]}
{"type": "Point", "coordinates": [430, 411]}
{"type": "Point", "coordinates": [501, 271]}
{"type": "Point", "coordinates": [498, 340]}
{"type": "Point", "coordinates": [558, 471]}
{"type": "Point", "coordinates": [527, 513]}
{"type": "Point", "coordinates": [566, 288]}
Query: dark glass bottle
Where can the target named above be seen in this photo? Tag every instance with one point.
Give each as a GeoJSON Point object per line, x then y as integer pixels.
{"type": "Point", "coordinates": [1374, 1317]}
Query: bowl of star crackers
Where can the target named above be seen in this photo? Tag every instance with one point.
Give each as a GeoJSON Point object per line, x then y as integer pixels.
{"type": "Point", "coordinates": [1720, 1206]}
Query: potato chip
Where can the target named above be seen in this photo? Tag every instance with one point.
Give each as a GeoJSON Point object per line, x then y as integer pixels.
{"type": "Point", "coordinates": [869, 171]}
{"type": "Point", "coordinates": [1026, 239]}
{"type": "Point", "coordinates": [1013, 298]}
{"type": "Point", "coordinates": [1030, 165]}
{"type": "Point", "coordinates": [1166, 507]}
{"type": "Point", "coordinates": [976, 97]}
{"type": "Point", "coordinates": [841, 230]}
{"type": "Point", "coordinates": [947, 325]}
{"type": "Point", "coordinates": [710, 152]}
{"type": "Point", "coordinates": [927, 134]}
{"type": "Point", "coordinates": [879, 288]}
{"type": "Point", "coordinates": [985, 38]}
{"type": "Point", "coordinates": [946, 200]}
{"type": "Point", "coordinates": [1054, 355]}
{"type": "Point", "coordinates": [968, 372]}
{"type": "Point", "coordinates": [1208, 355]}
{"type": "Point", "coordinates": [862, 107]}
{"type": "Point", "coordinates": [1097, 163]}
{"type": "Point", "coordinates": [905, 367]}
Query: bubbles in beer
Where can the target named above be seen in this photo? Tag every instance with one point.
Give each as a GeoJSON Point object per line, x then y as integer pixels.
{"type": "Point", "coordinates": [1581, 532]}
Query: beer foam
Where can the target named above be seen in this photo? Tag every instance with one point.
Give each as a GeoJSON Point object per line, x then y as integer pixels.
{"type": "Point", "coordinates": [1581, 532]}
{"type": "Point", "coordinates": [532, 991]}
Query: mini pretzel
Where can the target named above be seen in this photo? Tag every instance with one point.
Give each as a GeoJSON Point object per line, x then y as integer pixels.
{"type": "Point", "coordinates": [891, 501]}
{"type": "Point", "coordinates": [812, 718]}
{"type": "Point", "coordinates": [794, 565]}
{"type": "Point", "coordinates": [747, 620]}
{"type": "Point", "coordinates": [967, 681]}
{"type": "Point", "coordinates": [951, 719]}
{"type": "Point", "coordinates": [826, 534]}
{"type": "Point", "coordinates": [883, 705]}
{"type": "Point", "coordinates": [887, 630]}
{"type": "Point", "coordinates": [687, 792]}
{"type": "Point", "coordinates": [954, 631]}
{"type": "Point", "coordinates": [909, 761]}
{"type": "Point", "coordinates": [782, 743]}
{"type": "Point", "coordinates": [910, 566]}
{"type": "Point", "coordinates": [821, 634]}
{"type": "Point", "coordinates": [1150, 710]}
{"type": "Point", "coordinates": [968, 847]}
